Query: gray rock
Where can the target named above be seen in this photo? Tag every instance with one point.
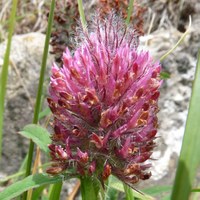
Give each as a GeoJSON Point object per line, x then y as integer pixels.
{"type": "Point", "coordinates": [25, 59]}
{"type": "Point", "coordinates": [174, 101]}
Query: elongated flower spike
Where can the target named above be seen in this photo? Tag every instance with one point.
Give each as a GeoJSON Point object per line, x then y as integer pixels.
{"type": "Point", "coordinates": [104, 100]}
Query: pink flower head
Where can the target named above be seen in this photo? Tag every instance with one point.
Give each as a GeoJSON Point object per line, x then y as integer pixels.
{"type": "Point", "coordinates": [104, 100]}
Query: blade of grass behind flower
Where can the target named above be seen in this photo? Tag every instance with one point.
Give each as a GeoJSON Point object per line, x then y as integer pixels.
{"type": "Point", "coordinates": [128, 192]}
{"type": "Point", "coordinates": [118, 185]}
{"type": "Point", "coordinates": [55, 191]}
{"type": "Point", "coordinates": [111, 193]}
{"type": "Point", "coordinates": [82, 14]}
{"type": "Point", "coordinates": [4, 72]}
{"type": "Point", "coordinates": [189, 158]}
{"type": "Point", "coordinates": [157, 190]}
{"type": "Point", "coordinates": [38, 192]}
{"type": "Point", "coordinates": [130, 10]}
{"type": "Point", "coordinates": [40, 87]}
{"type": "Point", "coordinates": [179, 41]}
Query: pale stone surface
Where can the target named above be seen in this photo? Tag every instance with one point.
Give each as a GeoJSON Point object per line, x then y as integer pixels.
{"type": "Point", "coordinates": [174, 100]}
{"type": "Point", "coordinates": [25, 59]}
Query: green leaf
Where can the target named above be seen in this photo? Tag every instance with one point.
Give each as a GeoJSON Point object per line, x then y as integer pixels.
{"type": "Point", "coordinates": [196, 190]}
{"type": "Point", "coordinates": [164, 75]}
{"type": "Point", "coordinates": [130, 11]}
{"type": "Point", "coordinates": [89, 187]}
{"type": "Point", "coordinates": [128, 192]}
{"type": "Point", "coordinates": [157, 190]}
{"type": "Point", "coordinates": [44, 113]}
{"type": "Point", "coordinates": [111, 193]}
{"type": "Point", "coordinates": [29, 182]}
{"type": "Point", "coordinates": [38, 135]}
{"type": "Point", "coordinates": [37, 192]}
{"type": "Point", "coordinates": [82, 14]}
{"type": "Point", "coordinates": [118, 185]}
{"type": "Point", "coordinates": [55, 191]}
{"type": "Point", "coordinates": [189, 159]}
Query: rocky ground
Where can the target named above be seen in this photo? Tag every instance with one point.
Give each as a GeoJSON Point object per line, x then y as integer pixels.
{"type": "Point", "coordinates": [169, 20]}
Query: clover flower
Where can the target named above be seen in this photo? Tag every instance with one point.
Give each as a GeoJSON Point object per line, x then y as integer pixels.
{"type": "Point", "coordinates": [104, 101]}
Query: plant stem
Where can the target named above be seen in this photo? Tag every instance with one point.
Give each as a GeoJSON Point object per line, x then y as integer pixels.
{"type": "Point", "coordinates": [55, 191]}
{"type": "Point", "coordinates": [179, 41]}
{"type": "Point", "coordinates": [130, 10]}
{"type": "Point", "coordinates": [189, 159]}
{"type": "Point", "coordinates": [128, 192]}
{"type": "Point", "coordinates": [4, 73]}
{"type": "Point", "coordinates": [82, 15]}
{"type": "Point", "coordinates": [89, 188]}
{"type": "Point", "coordinates": [40, 87]}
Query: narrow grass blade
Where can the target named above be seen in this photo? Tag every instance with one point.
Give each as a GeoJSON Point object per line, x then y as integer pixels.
{"type": "Point", "coordinates": [130, 10]}
{"type": "Point", "coordinates": [38, 135]}
{"type": "Point", "coordinates": [111, 193]}
{"type": "Point", "coordinates": [29, 182]}
{"type": "Point", "coordinates": [164, 75]}
{"type": "Point", "coordinates": [89, 188]}
{"type": "Point", "coordinates": [118, 185]}
{"type": "Point", "coordinates": [37, 193]}
{"type": "Point", "coordinates": [55, 191]}
{"type": "Point", "coordinates": [44, 113]}
{"type": "Point", "coordinates": [128, 193]}
{"type": "Point", "coordinates": [196, 190]}
{"type": "Point", "coordinates": [40, 87]}
{"type": "Point", "coordinates": [4, 72]}
{"type": "Point", "coordinates": [179, 41]}
{"type": "Point", "coordinates": [82, 15]}
{"type": "Point", "coordinates": [157, 190]}
{"type": "Point", "coordinates": [189, 158]}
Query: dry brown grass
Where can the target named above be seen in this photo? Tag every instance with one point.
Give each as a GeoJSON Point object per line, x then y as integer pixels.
{"type": "Point", "coordinates": [31, 16]}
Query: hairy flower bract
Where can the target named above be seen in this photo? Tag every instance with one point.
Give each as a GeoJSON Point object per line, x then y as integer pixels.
{"type": "Point", "coordinates": [104, 100]}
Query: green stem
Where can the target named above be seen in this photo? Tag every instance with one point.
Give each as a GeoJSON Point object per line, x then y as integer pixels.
{"type": "Point", "coordinates": [89, 188]}
{"type": "Point", "coordinates": [4, 73]}
{"type": "Point", "coordinates": [179, 41]}
{"type": "Point", "coordinates": [189, 159]}
{"type": "Point", "coordinates": [128, 192]}
{"type": "Point", "coordinates": [55, 191]}
{"type": "Point", "coordinates": [82, 15]}
{"type": "Point", "coordinates": [40, 87]}
{"type": "Point", "coordinates": [130, 10]}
